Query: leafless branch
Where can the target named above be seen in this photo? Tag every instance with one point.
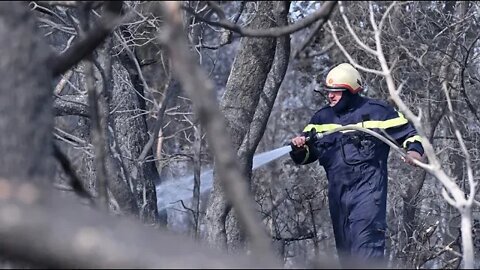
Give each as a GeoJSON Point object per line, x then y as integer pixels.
{"type": "Point", "coordinates": [72, 138]}
{"type": "Point", "coordinates": [169, 94]}
{"type": "Point", "coordinates": [310, 38]}
{"type": "Point", "coordinates": [349, 57]}
{"type": "Point", "coordinates": [310, 235]}
{"type": "Point", "coordinates": [40, 227]}
{"type": "Point", "coordinates": [134, 60]}
{"type": "Point", "coordinates": [71, 105]}
{"type": "Point", "coordinates": [458, 196]}
{"type": "Point", "coordinates": [61, 85]}
{"type": "Point", "coordinates": [37, 7]}
{"type": "Point", "coordinates": [75, 181]}
{"type": "Point", "coordinates": [218, 10]}
{"type": "Point", "coordinates": [462, 78]}
{"type": "Point", "coordinates": [323, 12]}
{"type": "Point", "coordinates": [84, 46]}
{"type": "Point", "coordinates": [185, 207]}
{"type": "Point", "coordinates": [242, 7]}
{"type": "Point", "coordinates": [61, 3]}
{"type": "Point", "coordinates": [352, 32]}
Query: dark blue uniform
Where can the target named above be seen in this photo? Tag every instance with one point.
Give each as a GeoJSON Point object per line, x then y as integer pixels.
{"type": "Point", "coordinates": [356, 167]}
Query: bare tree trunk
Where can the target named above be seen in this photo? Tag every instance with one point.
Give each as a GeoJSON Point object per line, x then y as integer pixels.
{"type": "Point", "coordinates": [97, 120]}
{"type": "Point", "coordinates": [117, 168]}
{"type": "Point", "coordinates": [239, 102]}
{"type": "Point", "coordinates": [125, 117]}
{"type": "Point", "coordinates": [267, 99]}
{"type": "Point", "coordinates": [200, 89]}
{"type": "Point", "coordinates": [25, 98]}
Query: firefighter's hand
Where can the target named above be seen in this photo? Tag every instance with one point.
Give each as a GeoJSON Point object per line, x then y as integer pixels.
{"type": "Point", "coordinates": [299, 141]}
{"type": "Point", "coordinates": [412, 155]}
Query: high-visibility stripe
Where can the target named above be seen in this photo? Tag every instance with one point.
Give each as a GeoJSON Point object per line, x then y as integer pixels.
{"type": "Point", "coordinates": [307, 155]}
{"type": "Point", "coordinates": [412, 139]}
{"type": "Point", "coordinates": [321, 128]}
{"type": "Point", "coordinates": [394, 122]}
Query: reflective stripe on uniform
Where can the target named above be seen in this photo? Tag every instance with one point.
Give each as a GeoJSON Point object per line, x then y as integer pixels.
{"type": "Point", "coordinates": [321, 128]}
{"type": "Point", "coordinates": [394, 122]}
{"type": "Point", "coordinates": [415, 138]}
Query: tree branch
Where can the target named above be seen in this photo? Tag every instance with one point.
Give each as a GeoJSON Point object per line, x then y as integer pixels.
{"type": "Point", "coordinates": [170, 92]}
{"type": "Point", "coordinates": [310, 38]}
{"type": "Point", "coordinates": [71, 105]}
{"type": "Point", "coordinates": [322, 13]}
{"type": "Point", "coordinates": [349, 57]}
{"type": "Point", "coordinates": [75, 181]}
{"type": "Point", "coordinates": [462, 76]}
{"type": "Point", "coordinates": [309, 235]}
{"type": "Point", "coordinates": [40, 227]}
{"type": "Point", "coordinates": [86, 45]}
{"type": "Point", "coordinates": [352, 32]}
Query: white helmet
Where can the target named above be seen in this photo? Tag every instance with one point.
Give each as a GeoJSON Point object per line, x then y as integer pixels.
{"type": "Point", "coordinates": [344, 77]}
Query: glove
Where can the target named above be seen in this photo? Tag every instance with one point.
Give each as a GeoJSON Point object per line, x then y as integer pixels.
{"type": "Point", "coordinates": [311, 137]}
{"type": "Point", "coordinates": [298, 153]}
{"type": "Point", "coordinates": [294, 147]}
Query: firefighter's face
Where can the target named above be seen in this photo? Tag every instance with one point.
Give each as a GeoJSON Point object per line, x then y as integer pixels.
{"type": "Point", "coordinates": [334, 97]}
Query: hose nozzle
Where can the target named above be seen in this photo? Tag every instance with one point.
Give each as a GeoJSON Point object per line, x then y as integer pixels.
{"type": "Point", "coordinates": [313, 135]}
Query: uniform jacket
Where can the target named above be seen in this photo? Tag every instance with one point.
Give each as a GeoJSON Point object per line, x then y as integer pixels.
{"type": "Point", "coordinates": [346, 155]}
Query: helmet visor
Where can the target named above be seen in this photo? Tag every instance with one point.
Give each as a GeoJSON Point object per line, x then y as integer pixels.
{"type": "Point", "coordinates": [334, 88]}
{"type": "Point", "coordinates": [330, 89]}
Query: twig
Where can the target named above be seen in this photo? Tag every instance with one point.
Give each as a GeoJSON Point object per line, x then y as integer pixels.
{"type": "Point", "coordinates": [170, 93]}
{"type": "Point", "coordinates": [185, 207]}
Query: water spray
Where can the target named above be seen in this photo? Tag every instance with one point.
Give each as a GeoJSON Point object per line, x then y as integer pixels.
{"type": "Point", "coordinates": [172, 191]}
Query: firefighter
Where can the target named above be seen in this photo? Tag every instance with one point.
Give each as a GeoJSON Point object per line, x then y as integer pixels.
{"type": "Point", "coordinates": [355, 162]}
